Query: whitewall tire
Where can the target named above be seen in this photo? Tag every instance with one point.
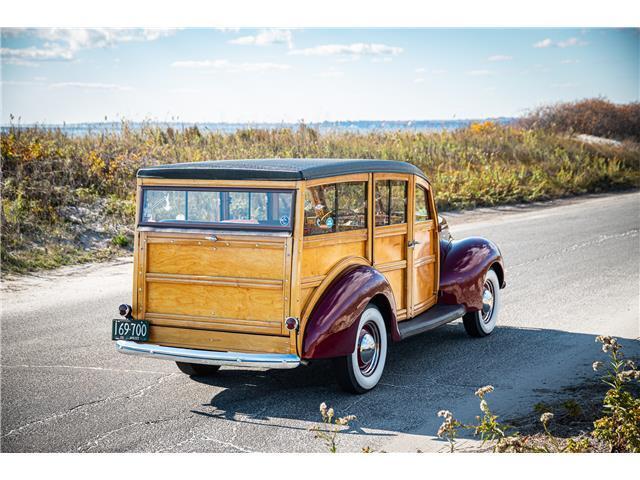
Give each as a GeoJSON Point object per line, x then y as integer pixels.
{"type": "Point", "coordinates": [482, 322]}
{"type": "Point", "coordinates": [361, 371]}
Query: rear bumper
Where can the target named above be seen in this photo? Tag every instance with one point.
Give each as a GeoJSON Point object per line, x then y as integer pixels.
{"type": "Point", "coordinates": [207, 357]}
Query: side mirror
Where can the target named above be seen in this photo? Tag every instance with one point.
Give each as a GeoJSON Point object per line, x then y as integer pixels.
{"type": "Point", "coordinates": [443, 228]}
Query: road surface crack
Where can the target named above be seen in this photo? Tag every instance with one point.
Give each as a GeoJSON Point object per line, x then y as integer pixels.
{"type": "Point", "coordinates": [193, 436]}
{"type": "Point", "coordinates": [82, 406]}
{"type": "Point", "coordinates": [96, 442]}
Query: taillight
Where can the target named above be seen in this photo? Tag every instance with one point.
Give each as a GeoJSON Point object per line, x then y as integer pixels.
{"type": "Point", "coordinates": [125, 310]}
{"type": "Point", "coordinates": [291, 323]}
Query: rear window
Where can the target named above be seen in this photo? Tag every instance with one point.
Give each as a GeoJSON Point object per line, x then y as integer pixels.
{"type": "Point", "coordinates": [219, 208]}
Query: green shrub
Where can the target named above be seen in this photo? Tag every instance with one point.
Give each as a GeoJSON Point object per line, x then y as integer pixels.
{"type": "Point", "coordinates": [121, 240]}
{"type": "Point", "coordinates": [620, 424]}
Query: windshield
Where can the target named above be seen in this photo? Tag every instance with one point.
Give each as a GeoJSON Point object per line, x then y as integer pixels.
{"type": "Point", "coordinates": [221, 208]}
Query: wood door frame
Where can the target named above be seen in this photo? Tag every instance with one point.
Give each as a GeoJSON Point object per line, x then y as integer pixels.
{"type": "Point", "coordinates": [417, 181]}
{"type": "Point", "coordinates": [400, 228]}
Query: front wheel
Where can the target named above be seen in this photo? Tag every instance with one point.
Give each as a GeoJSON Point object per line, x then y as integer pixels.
{"type": "Point", "coordinates": [361, 371]}
{"type": "Point", "coordinates": [482, 322]}
{"type": "Point", "coordinates": [197, 370]}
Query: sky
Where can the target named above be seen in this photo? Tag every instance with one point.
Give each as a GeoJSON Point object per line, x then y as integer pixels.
{"type": "Point", "coordinates": [288, 75]}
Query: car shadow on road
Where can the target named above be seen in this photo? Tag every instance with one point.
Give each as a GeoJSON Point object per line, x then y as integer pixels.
{"type": "Point", "coordinates": [423, 374]}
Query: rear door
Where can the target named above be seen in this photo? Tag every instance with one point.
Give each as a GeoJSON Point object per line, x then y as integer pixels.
{"type": "Point", "coordinates": [214, 259]}
{"type": "Point", "coordinates": [391, 234]}
{"type": "Point", "coordinates": [226, 282]}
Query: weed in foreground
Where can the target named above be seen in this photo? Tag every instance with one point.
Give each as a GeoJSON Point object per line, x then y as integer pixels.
{"type": "Point", "coordinates": [331, 427]}
{"type": "Point", "coordinates": [618, 427]}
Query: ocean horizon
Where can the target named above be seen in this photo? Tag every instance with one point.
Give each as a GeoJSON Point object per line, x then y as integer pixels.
{"type": "Point", "coordinates": [354, 126]}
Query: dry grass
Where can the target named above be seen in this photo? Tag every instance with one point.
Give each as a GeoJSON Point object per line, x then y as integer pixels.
{"type": "Point", "coordinates": [595, 116]}
{"type": "Point", "coordinates": [47, 172]}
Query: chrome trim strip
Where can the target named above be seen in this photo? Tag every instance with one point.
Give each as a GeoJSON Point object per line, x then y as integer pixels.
{"type": "Point", "coordinates": [207, 357]}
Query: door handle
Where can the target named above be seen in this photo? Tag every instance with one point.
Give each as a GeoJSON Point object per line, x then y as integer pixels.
{"type": "Point", "coordinates": [413, 243]}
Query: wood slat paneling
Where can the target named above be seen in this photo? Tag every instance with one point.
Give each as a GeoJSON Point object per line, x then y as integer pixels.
{"type": "Point", "coordinates": [221, 341]}
{"type": "Point", "coordinates": [219, 301]}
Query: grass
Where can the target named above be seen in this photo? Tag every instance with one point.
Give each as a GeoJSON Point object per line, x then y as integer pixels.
{"type": "Point", "coordinates": [69, 199]}
{"type": "Point", "coordinates": [605, 417]}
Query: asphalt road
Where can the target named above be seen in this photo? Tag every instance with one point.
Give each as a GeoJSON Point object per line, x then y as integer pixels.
{"type": "Point", "coordinates": [572, 273]}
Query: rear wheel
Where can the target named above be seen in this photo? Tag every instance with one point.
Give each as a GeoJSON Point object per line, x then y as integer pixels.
{"type": "Point", "coordinates": [361, 371]}
{"type": "Point", "coordinates": [197, 370]}
{"type": "Point", "coordinates": [482, 322]}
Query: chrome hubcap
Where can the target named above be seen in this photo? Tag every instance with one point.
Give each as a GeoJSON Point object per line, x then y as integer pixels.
{"type": "Point", "coordinates": [368, 348]}
{"type": "Point", "coordinates": [487, 301]}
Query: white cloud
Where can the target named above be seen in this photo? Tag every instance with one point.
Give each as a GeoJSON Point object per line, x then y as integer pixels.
{"type": "Point", "coordinates": [547, 42]}
{"type": "Point", "coordinates": [569, 42]}
{"type": "Point", "coordinates": [479, 73]}
{"type": "Point", "coordinates": [91, 86]}
{"type": "Point", "coordinates": [53, 52]}
{"type": "Point", "coordinates": [266, 37]}
{"type": "Point", "coordinates": [230, 66]}
{"type": "Point", "coordinates": [572, 42]}
{"type": "Point", "coordinates": [418, 80]}
{"type": "Point", "coordinates": [439, 71]}
{"type": "Point", "coordinates": [21, 83]}
{"type": "Point", "coordinates": [80, 38]}
{"type": "Point", "coordinates": [352, 49]}
{"type": "Point", "coordinates": [569, 61]}
{"type": "Point", "coordinates": [19, 61]}
{"type": "Point", "coordinates": [63, 43]}
{"type": "Point", "coordinates": [499, 58]}
{"type": "Point", "coordinates": [421, 70]}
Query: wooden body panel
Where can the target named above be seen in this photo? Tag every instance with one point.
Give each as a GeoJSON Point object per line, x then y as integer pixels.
{"type": "Point", "coordinates": [234, 284]}
{"type": "Point", "coordinates": [391, 251]}
{"type": "Point", "coordinates": [425, 254]}
{"type": "Point", "coordinates": [390, 259]}
{"type": "Point", "coordinates": [239, 259]}
{"type": "Point", "coordinates": [215, 340]}
{"type": "Point", "coordinates": [424, 261]}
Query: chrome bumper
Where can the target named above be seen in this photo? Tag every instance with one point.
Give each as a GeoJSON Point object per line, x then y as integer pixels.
{"type": "Point", "coordinates": [207, 357]}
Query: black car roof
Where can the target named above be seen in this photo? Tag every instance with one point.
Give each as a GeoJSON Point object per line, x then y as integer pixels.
{"type": "Point", "coordinates": [276, 169]}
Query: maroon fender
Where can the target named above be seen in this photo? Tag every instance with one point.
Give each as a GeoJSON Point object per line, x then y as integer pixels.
{"type": "Point", "coordinates": [463, 265]}
{"type": "Point", "coordinates": [331, 328]}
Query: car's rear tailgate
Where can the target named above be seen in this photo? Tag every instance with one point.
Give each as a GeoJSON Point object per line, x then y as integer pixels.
{"type": "Point", "coordinates": [221, 291]}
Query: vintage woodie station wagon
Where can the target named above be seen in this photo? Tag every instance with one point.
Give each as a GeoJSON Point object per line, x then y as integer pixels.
{"type": "Point", "coordinates": [278, 262]}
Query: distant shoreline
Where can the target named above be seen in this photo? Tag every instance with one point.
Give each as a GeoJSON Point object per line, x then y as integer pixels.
{"type": "Point", "coordinates": [355, 126]}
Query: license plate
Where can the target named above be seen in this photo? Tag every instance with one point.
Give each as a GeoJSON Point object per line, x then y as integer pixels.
{"type": "Point", "coordinates": [136, 330]}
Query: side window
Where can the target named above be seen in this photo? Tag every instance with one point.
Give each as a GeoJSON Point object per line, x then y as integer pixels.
{"type": "Point", "coordinates": [319, 206]}
{"type": "Point", "coordinates": [335, 208]}
{"type": "Point", "coordinates": [422, 204]}
{"type": "Point", "coordinates": [352, 206]}
{"type": "Point", "coordinates": [391, 202]}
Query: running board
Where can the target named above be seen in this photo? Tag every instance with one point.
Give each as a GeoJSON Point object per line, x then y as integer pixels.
{"type": "Point", "coordinates": [432, 318]}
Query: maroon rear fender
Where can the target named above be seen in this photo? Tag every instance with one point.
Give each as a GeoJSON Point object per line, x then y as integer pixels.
{"type": "Point", "coordinates": [331, 328]}
{"type": "Point", "coordinates": [463, 265]}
